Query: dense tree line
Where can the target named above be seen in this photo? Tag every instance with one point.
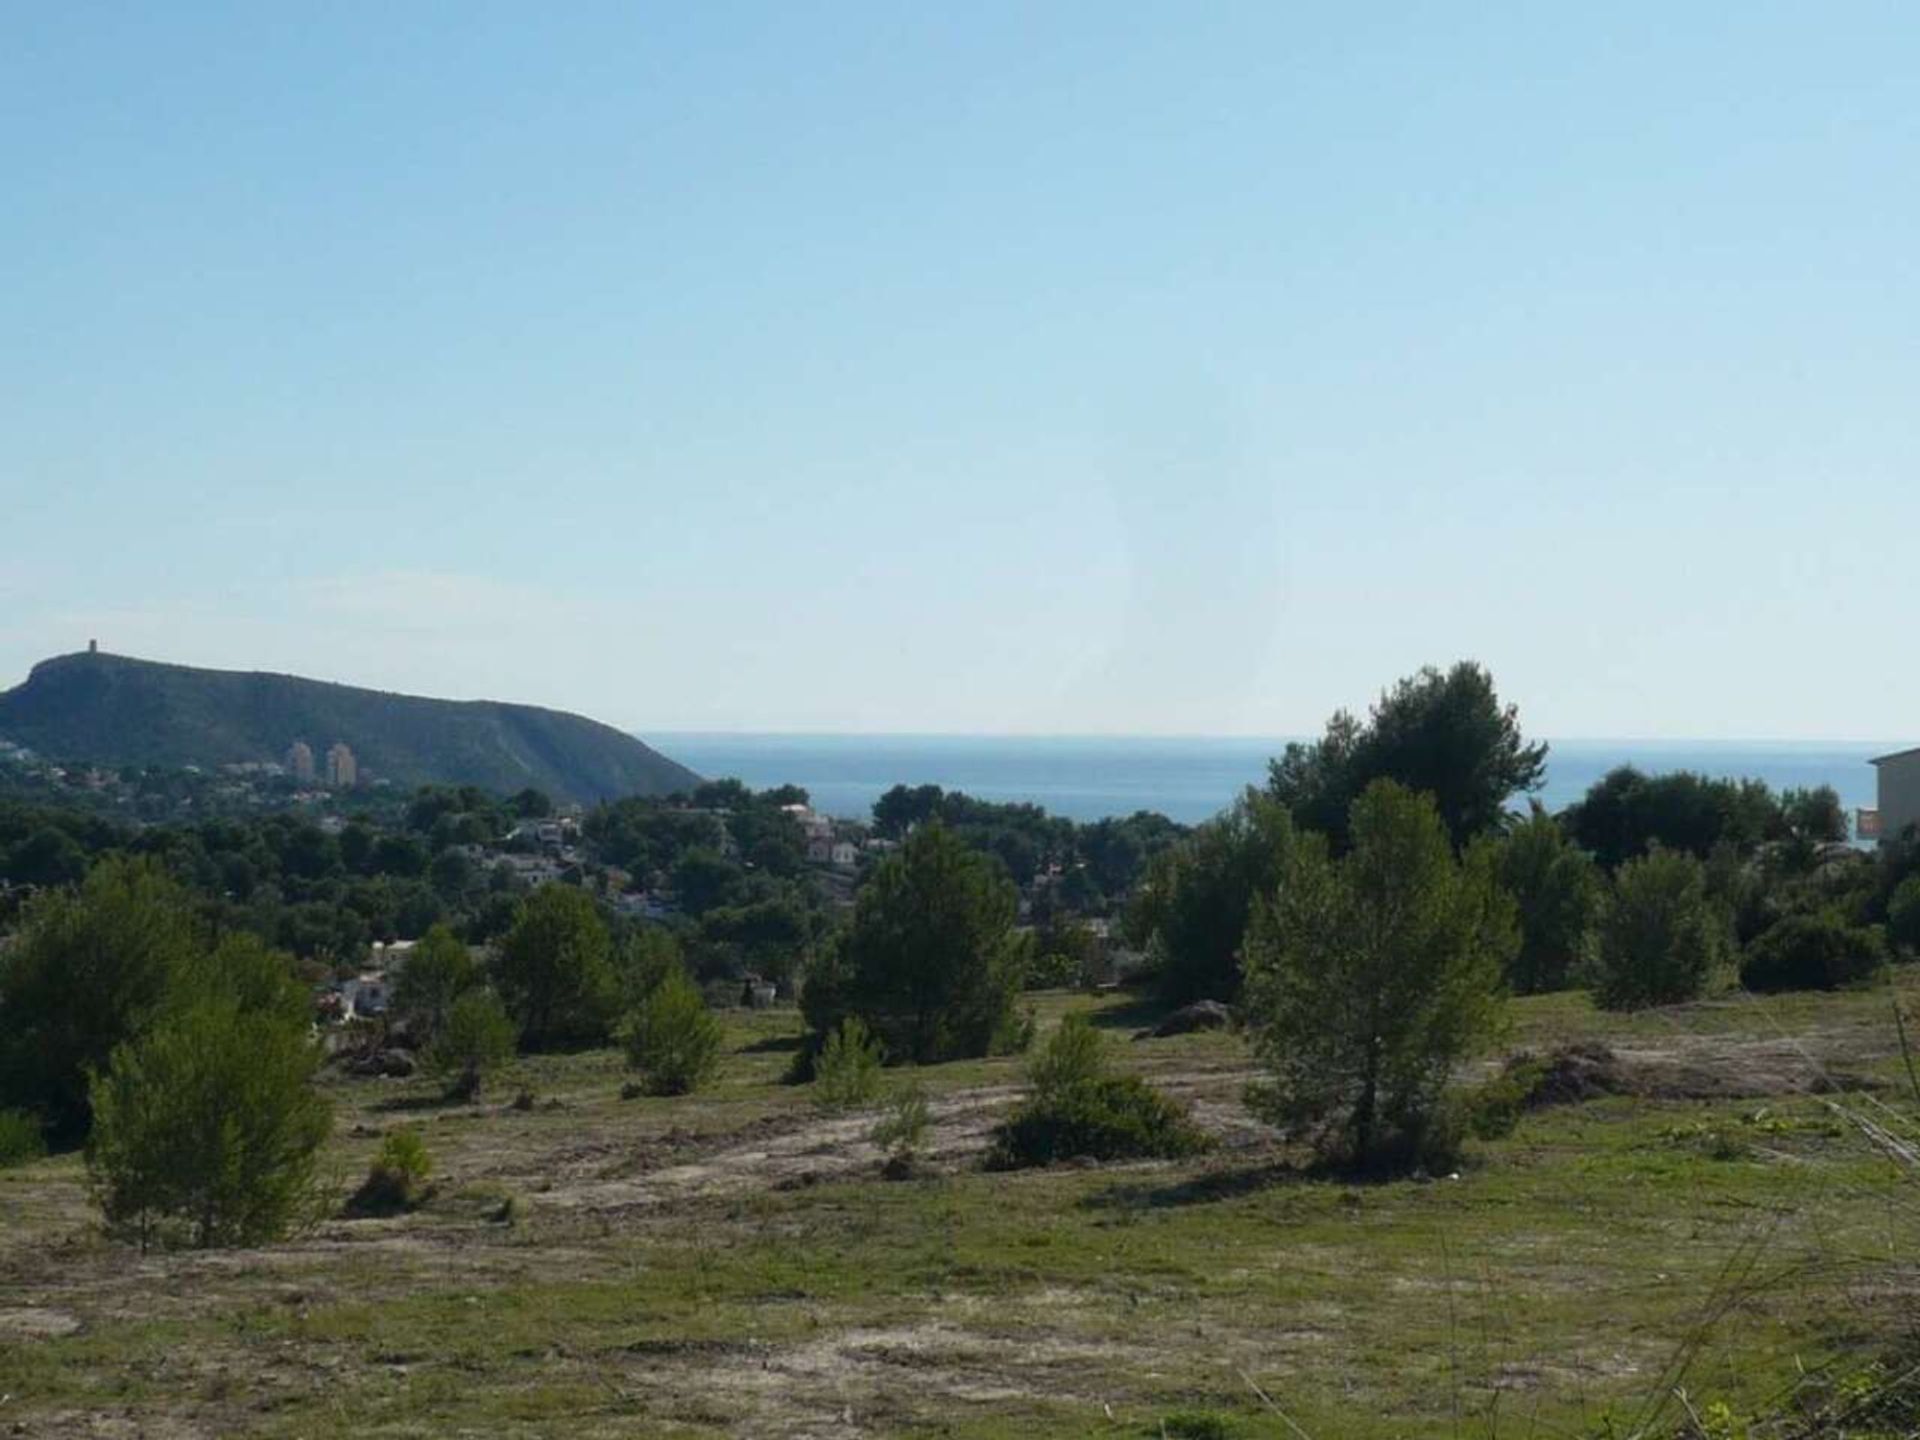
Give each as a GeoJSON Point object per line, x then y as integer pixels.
{"type": "Point", "coordinates": [1650, 888]}
{"type": "Point", "coordinates": [1096, 865]}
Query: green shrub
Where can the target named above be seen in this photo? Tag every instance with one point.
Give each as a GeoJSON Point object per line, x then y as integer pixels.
{"type": "Point", "coordinates": [903, 1129]}
{"type": "Point", "coordinates": [673, 1040]}
{"type": "Point", "coordinates": [1492, 1110]}
{"type": "Point", "coordinates": [1195, 1425]}
{"type": "Point", "coordinates": [1903, 914]}
{"type": "Point", "coordinates": [645, 958]}
{"type": "Point", "coordinates": [1662, 940]}
{"type": "Point", "coordinates": [475, 1041]}
{"type": "Point", "coordinates": [20, 1138]}
{"type": "Point", "coordinates": [1812, 952]}
{"type": "Point", "coordinates": [846, 1073]}
{"type": "Point", "coordinates": [396, 1181]}
{"type": "Point", "coordinates": [1055, 970]}
{"type": "Point", "coordinates": [207, 1129]}
{"type": "Point", "coordinates": [1077, 1109]}
{"type": "Point", "coordinates": [1074, 1055]}
{"type": "Point", "coordinates": [1117, 1117]}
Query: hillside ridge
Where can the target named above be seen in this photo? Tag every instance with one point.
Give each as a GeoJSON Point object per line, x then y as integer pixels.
{"type": "Point", "coordinates": [118, 710]}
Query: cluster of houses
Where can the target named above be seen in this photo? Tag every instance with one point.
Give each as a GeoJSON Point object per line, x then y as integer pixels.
{"type": "Point", "coordinates": [368, 992]}
{"type": "Point", "coordinates": [835, 843]}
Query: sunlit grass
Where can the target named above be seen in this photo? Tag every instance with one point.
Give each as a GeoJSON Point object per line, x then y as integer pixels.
{"type": "Point", "coordinates": [1546, 1287]}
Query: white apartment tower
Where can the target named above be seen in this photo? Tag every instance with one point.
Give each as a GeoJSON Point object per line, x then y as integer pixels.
{"type": "Point", "coordinates": [342, 772]}
{"type": "Point", "coordinates": [300, 760]}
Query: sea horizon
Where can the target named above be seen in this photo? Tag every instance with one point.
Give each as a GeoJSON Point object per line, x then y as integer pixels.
{"type": "Point", "coordinates": [1191, 777]}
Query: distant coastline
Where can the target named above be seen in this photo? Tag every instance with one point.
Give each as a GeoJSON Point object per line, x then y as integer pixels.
{"type": "Point", "coordinates": [1188, 779]}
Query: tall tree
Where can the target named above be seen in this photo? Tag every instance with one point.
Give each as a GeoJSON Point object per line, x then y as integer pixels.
{"type": "Point", "coordinates": [438, 972]}
{"type": "Point", "coordinates": [1191, 911]}
{"type": "Point", "coordinates": [1558, 890]}
{"type": "Point", "coordinates": [89, 970]}
{"type": "Point", "coordinates": [1626, 813]}
{"type": "Point", "coordinates": [1370, 977]}
{"type": "Point", "coordinates": [1444, 734]}
{"type": "Point", "coordinates": [932, 961]}
{"type": "Point", "coordinates": [555, 970]}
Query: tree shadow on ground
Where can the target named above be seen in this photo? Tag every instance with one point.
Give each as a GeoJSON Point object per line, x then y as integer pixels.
{"type": "Point", "coordinates": [1140, 1012]}
{"type": "Point", "coordinates": [774, 1045]}
{"type": "Point", "coordinates": [1208, 1189]}
{"type": "Point", "coordinates": [401, 1104]}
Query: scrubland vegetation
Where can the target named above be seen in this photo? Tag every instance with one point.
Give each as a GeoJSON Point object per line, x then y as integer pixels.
{"type": "Point", "coordinates": [1598, 1124]}
{"type": "Point", "coordinates": [734, 1262]}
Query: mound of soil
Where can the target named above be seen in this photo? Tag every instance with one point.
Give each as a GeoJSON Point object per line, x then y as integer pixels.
{"type": "Point", "coordinates": [1571, 1074]}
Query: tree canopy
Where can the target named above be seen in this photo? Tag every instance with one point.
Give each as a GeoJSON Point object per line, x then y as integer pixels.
{"type": "Point", "coordinates": [1370, 977]}
{"type": "Point", "coordinates": [90, 969]}
{"type": "Point", "coordinates": [1558, 890]}
{"type": "Point", "coordinates": [932, 962]}
{"type": "Point", "coordinates": [1191, 911]}
{"type": "Point", "coordinates": [1444, 734]}
{"type": "Point", "coordinates": [554, 971]}
{"type": "Point", "coordinates": [1627, 813]}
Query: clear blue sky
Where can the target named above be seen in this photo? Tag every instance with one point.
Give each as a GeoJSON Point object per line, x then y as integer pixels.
{"type": "Point", "coordinates": [1016, 368]}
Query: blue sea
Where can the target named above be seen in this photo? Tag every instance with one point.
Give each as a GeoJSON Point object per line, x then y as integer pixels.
{"type": "Point", "coordinates": [1086, 778]}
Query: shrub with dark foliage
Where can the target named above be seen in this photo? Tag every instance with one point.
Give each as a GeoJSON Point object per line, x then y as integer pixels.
{"type": "Point", "coordinates": [1813, 952]}
{"type": "Point", "coordinates": [1077, 1109]}
{"type": "Point", "coordinates": [396, 1181]}
{"type": "Point", "coordinates": [1662, 940]}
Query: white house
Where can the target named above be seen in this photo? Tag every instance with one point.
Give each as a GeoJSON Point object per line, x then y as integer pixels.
{"type": "Point", "coordinates": [1899, 807]}
{"type": "Point", "coordinates": [367, 994]}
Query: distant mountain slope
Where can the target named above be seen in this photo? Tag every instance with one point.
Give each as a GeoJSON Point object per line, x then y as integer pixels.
{"type": "Point", "coordinates": [111, 710]}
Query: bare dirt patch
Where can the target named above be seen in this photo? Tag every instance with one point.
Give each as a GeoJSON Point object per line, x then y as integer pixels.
{"type": "Point", "coordinates": [1687, 1068]}
{"type": "Point", "coordinates": [34, 1322]}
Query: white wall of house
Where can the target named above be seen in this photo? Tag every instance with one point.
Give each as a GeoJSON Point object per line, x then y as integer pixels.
{"type": "Point", "coordinates": [1899, 792]}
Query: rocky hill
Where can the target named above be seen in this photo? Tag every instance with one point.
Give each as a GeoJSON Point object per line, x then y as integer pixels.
{"type": "Point", "coordinates": [111, 710]}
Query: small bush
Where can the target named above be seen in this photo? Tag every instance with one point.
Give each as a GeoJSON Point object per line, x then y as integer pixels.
{"type": "Point", "coordinates": [1074, 1055]}
{"type": "Point", "coordinates": [1492, 1110]}
{"type": "Point", "coordinates": [846, 1073]}
{"type": "Point", "coordinates": [1118, 1117]}
{"type": "Point", "coordinates": [1812, 952]}
{"type": "Point", "coordinates": [673, 1040]}
{"type": "Point", "coordinates": [20, 1138]}
{"type": "Point", "coordinates": [396, 1181]}
{"type": "Point", "coordinates": [903, 1129]}
{"type": "Point", "coordinates": [1015, 1035]}
{"type": "Point", "coordinates": [1077, 1109]}
{"type": "Point", "coordinates": [1196, 1425]}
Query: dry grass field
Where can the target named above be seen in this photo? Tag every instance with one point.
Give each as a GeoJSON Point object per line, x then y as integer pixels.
{"type": "Point", "coordinates": [734, 1263]}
